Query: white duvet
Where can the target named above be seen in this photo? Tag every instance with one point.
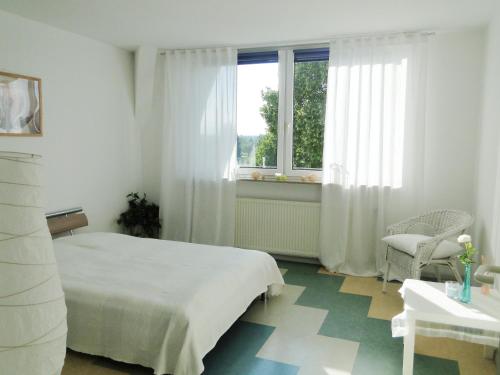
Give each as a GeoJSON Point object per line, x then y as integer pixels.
{"type": "Point", "coordinates": [161, 304]}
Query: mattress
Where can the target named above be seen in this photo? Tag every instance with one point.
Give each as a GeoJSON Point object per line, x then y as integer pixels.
{"type": "Point", "coordinates": [161, 304]}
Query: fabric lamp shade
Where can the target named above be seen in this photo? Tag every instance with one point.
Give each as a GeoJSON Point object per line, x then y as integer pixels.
{"type": "Point", "coordinates": [32, 308]}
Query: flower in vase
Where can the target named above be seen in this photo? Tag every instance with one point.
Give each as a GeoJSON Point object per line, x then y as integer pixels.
{"type": "Point", "coordinates": [464, 238]}
{"type": "Point", "coordinates": [466, 257]}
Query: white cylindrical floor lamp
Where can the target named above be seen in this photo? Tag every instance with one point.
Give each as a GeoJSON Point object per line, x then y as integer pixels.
{"type": "Point", "coordinates": [32, 309]}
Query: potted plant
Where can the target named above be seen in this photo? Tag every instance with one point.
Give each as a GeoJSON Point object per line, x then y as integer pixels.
{"type": "Point", "coordinates": [142, 218]}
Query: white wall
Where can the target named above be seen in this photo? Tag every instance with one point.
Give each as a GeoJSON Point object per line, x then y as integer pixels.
{"type": "Point", "coordinates": [89, 147]}
{"type": "Point", "coordinates": [455, 77]}
{"type": "Point", "coordinates": [488, 176]}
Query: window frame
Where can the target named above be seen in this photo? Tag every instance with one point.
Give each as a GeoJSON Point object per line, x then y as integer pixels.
{"type": "Point", "coordinates": [284, 157]}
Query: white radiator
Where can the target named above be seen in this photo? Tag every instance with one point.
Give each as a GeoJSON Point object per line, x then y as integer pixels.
{"type": "Point", "coordinates": [278, 227]}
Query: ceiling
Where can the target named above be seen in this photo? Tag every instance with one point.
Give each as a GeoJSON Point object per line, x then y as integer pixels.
{"type": "Point", "coordinates": [199, 23]}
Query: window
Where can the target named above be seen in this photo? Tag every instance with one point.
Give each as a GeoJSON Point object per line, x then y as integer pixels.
{"type": "Point", "coordinates": [309, 103]}
{"type": "Point", "coordinates": [281, 111]}
{"type": "Point", "coordinates": [258, 110]}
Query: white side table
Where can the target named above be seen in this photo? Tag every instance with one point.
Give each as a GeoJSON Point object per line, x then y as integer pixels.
{"type": "Point", "coordinates": [428, 311]}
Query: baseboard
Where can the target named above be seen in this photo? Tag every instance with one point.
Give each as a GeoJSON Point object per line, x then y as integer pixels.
{"type": "Point", "coordinates": [296, 259]}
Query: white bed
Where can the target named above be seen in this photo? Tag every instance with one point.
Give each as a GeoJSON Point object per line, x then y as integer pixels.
{"type": "Point", "coordinates": [161, 304]}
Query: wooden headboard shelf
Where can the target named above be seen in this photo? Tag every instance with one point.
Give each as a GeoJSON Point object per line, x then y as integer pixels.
{"type": "Point", "coordinates": [66, 220]}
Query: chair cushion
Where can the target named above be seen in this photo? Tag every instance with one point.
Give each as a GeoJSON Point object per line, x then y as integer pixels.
{"type": "Point", "coordinates": [408, 244]}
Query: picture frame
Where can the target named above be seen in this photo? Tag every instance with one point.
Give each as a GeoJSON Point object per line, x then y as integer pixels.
{"type": "Point", "coordinates": [21, 110]}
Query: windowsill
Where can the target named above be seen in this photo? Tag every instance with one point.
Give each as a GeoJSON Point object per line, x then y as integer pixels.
{"type": "Point", "coordinates": [272, 179]}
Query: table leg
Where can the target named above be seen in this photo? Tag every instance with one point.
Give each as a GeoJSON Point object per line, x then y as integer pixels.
{"type": "Point", "coordinates": [409, 348]}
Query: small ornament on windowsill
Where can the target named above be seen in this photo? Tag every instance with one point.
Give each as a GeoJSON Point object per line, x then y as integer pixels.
{"type": "Point", "coordinates": [257, 176]}
{"type": "Point", "coordinates": [281, 177]}
{"type": "Point", "coordinates": [308, 178]}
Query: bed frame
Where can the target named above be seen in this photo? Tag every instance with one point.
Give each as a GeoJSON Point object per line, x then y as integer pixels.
{"type": "Point", "coordinates": [67, 220]}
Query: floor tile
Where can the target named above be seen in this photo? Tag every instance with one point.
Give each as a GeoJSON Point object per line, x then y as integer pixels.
{"type": "Point", "coordinates": [309, 350]}
{"type": "Point", "coordinates": [469, 356]}
{"type": "Point", "coordinates": [321, 370]}
{"type": "Point", "coordinates": [235, 353]}
{"type": "Point", "coordinates": [347, 315]}
{"type": "Point", "coordinates": [383, 305]}
{"type": "Point", "coordinates": [292, 318]}
{"type": "Point", "coordinates": [425, 365]}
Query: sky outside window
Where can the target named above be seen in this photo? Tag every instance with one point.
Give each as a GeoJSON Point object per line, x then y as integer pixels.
{"type": "Point", "coordinates": [253, 81]}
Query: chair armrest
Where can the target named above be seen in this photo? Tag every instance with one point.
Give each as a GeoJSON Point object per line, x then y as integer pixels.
{"type": "Point", "coordinates": [426, 248]}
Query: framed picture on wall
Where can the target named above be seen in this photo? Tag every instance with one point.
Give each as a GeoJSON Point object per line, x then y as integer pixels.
{"type": "Point", "coordinates": [20, 105]}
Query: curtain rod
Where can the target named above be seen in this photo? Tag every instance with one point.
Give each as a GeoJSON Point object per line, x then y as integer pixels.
{"type": "Point", "coordinates": [306, 43]}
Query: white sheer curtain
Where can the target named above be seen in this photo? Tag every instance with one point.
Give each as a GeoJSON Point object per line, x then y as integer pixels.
{"type": "Point", "coordinates": [198, 194]}
{"type": "Point", "coordinates": [373, 147]}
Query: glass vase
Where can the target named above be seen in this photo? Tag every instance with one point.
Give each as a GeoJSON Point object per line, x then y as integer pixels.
{"type": "Point", "coordinates": [465, 295]}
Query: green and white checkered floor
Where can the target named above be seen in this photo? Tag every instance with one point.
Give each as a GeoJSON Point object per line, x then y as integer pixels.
{"type": "Point", "coordinates": [322, 324]}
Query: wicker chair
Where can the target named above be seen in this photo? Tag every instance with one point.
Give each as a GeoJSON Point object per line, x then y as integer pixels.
{"type": "Point", "coordinates": [441, 225]}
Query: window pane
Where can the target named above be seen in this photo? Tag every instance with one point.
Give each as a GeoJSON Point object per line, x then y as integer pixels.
{"type": "Point", "coordinates": [309, 102]}
{"type": "Point", "coordinates": [258, 115]}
